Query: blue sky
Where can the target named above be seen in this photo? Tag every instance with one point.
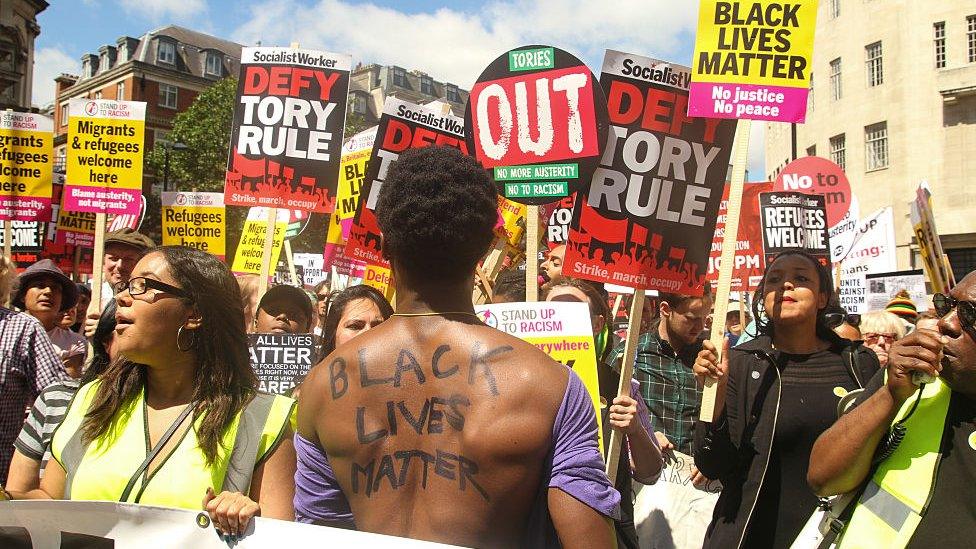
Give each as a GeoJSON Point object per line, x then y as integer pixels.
{"type": "Point", "coordinates": [452, 41]}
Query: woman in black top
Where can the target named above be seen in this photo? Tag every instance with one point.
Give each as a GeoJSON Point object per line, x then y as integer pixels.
{"type": "Point", "coordinates": [776, 394]}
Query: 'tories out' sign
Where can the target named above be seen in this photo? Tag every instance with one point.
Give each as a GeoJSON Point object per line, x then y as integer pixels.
{"type": "Point", "coordinates": [753, 60]}
{"type": "Point", "coordinates": [195, 220]}
{"type": "Point", "coordinates": [537, 118]}
{"type": "Point", "coordinates": [25, 166]}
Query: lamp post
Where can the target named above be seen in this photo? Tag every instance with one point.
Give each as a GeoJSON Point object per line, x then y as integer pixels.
{"type": "Point", "coordinates": [175, 146]}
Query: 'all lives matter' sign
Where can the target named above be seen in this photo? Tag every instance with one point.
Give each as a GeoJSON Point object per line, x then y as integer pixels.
{"type": "Point", "coordinates": [537, 120]}
{"type": "Point", "coordinates": [279, 360]}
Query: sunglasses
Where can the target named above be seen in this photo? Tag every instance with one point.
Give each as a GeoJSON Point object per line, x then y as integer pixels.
{"type": "Point", "coordinates": [836, 319]}
{"type": "Point", "coordinates": [944, 305]}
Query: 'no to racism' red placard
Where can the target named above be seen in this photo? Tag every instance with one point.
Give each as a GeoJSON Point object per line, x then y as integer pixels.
{"type": "Point", "coordinates": [288, 124]}
{"type": "Point", "coordinates": [794, 221]}
{"type": "Point", "coordinates": [749, 259]}
{"type": "Point", "coordinates": [537, 120]}
{"type": "Point", "coordinates": [647, 217]}
{"type": "Point", "coordinates": [403, 126]}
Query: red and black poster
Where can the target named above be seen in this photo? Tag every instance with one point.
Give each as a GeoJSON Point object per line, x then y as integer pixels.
{"type": "Point", "coordinates": [749, 260]}
{"type": "Point", "coordinates": [288, 124]}
{"type": "Point", "coordinates": [794, 221]}
{"type": "Point", "coordinates": [403, 126]}
{"type": "Point", "coordinates": [557, 216]}
{"type": "Point", "coordinates": [537, 120]}
{"type": "Point", "coordinates": [647, 218]}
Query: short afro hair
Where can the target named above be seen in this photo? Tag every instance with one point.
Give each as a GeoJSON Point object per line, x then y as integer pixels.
{"type": "Point", "coordinates": [437, 210]}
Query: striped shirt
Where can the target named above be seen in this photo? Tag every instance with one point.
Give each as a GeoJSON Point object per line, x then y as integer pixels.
{"type": "Point", "coordinates": [45, 416]}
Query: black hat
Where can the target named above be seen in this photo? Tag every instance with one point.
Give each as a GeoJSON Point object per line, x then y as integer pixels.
{"type": "Point", "coordinates": [289, 293]}
{"type": "Point", "coordinates": [131, 238]}
{"type": "Point", "coordinates": [45, 267]}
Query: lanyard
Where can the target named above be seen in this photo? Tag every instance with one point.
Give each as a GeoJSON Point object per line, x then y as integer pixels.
{"type": "Point", "coordinates": [159, 446]}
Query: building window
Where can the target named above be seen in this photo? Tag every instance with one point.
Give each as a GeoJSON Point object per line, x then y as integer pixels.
{"type": "Point", "coordinates": [835, 83]}
{"type": "Point", "coordinates": [940, 44]}
{"type": "Point", "coordinates": [971, 37]}
{"type": "Point", "coordinates": [873, 65]}
{"type": "Point", "coordinates": [451, 93]}
{"type": "Point", "coordinates": [834, 9]}
{"type": "Point", "coordinates": [103, 62]}
{"type": "Point", "coordinates": [120, 91]}
{"type": "Point", "coordinates": [167, 52]}
{"type": "Point", "coordinates": [167, 96]}
{"type": "Point", "coordinates": [98, 94]}
{"type": "Point", "coordinates": [812, 150]}
{"type": "Point", "coordinates": [358, 105]}
{"type": "Point", "coordinates": [399, 77]}
{"type": "Point", "coordinates": [962, 260]}
{"type": "Point", "coordinates": [86, 69]}
{"type": "Point", "coordinates": [64, 114]}
{"type": "Point", "coordinates": [214, 64]}
{"type": "Point", "coordinates": [426, 85]}
{"type": "Point", "coordinates": [838, 155]}
{"type": "Point", "coordinates": [876, 146]}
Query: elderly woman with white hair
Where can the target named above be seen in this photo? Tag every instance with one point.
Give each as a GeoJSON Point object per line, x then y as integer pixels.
{"type": "Point", "coordinates": [880, 329]}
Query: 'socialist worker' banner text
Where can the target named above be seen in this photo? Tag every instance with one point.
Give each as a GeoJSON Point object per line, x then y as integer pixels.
{"type": "Point", "coordinates": [794, 221]}
{"type": "Point", "coordinates": [26, 166]}
{"type": "Point", "coordinates": [403, 126]}
{"type": "Point", "coordinates": [536, 119]}
{"type": "Point", "coordinates": [753, 60]}
{"type": "Point", "coordinates": [288, 124]}
{"type": "Point", "coordinates": [647, 218]}
{"type": "Point", "coordinates": [105, 149]}
{"type": "Point", "coordinates": [196, 220]}
{"type": "Point", "coordinates": [250, 250]}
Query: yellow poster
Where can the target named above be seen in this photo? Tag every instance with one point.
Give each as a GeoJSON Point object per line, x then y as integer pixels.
{"type": "Point", "coordinates": [380, 278]}
{"type": "Point", "coordinates": [250, 250]}
{"type": "Point", "coordinates": [26, 166]}
{"type": "Point", "coordinates": [929, 244]}
{"type": "Point", "coordinates": [196, 220]}
{"type": "Point", "coordinates": [512, 222]}
{"type": "Point", "coordinates": [105, 152]}
{"type": "Point", "coordinates": [560, 329]}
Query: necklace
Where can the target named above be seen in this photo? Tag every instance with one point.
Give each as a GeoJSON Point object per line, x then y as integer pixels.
{"type": "Point", "coordinates": [437, 313]}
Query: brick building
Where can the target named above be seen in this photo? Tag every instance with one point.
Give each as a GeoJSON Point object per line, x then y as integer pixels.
{"type": "Point", "coordinates": [18, 29]}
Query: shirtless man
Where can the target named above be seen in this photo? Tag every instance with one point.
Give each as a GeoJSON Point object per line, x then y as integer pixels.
{"type": "Point", "coordinates": [433, 425]}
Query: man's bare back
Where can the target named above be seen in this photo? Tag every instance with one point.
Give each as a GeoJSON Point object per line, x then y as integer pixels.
{"type": "Point", "coordinates": [436, 429]}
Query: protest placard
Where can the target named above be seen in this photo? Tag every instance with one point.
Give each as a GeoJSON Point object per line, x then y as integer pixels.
{"type": "Point", "coordinates": [929, 241]}
{"type": "Point", "coordinates": [872, 251]}
{"type": "Point", "coordinates": [288, 124]}
{"type": "Point", "coordinates": [558, 216]}
{"type": "Point", "coordinates": [647, 217]}
{"type": "Point", "coordinates": [312, 268]}
{"type": "Point", "coordinates": [380, 278]}
{"type": "Point", "coordinates": [402, 126]}
{"type": "Point", "coordinates": [195, 219]}
{"type": "Point", "coordinates": [794, 221]}
{"type": "Point", "coordinates": [26, 164]}
{"type": "Point", "coordinates": [250, 250]}
{"type": "Point", "coordinates": [26, 236]}
{"type": "Point", "coordinates": [883, 287]}
{"type": "Point", "coordinates": [753, 60]}
{"type": "Point", "coordinates": [749, 262]}
{"type": "Point", "coordinates": [539, 145]}
{"type": "Point", "coordinates": [352, 178]}
{"type": "Point", "coordinates": [674, 512]}
{"type": "Point", "coordinates": [104, 159]}
{"type": "Point", "coordinates": [815, 175]}
{"type": "Point", "coordinates": [280, 359]}
{"type": "Point", "coordinates": [561, 329]}
{"type": "Point", "coordinates": [282, 275]}
{"type": "Point", "coordinates": [511, 222]}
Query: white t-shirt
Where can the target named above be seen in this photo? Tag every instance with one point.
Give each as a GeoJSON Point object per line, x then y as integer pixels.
{"type": "Point", "coordinates": [68, 344]}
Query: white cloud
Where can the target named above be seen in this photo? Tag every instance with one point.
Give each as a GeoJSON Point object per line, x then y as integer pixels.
{"type": "Point", "coordinates": [157, 10]}
{"type": "Point", "coordinates": [49, 63]}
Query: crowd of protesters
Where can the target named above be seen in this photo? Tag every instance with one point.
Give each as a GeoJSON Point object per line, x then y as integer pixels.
{"type": "Point", "coordinates": [459, 433]}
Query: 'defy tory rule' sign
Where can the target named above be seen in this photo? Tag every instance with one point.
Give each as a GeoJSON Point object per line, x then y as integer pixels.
{"type": "Point", "coordinates": [536, 118]}
{"type": "Point", "coordinates": [647, 216]}
{"type": "Point", "coordinates": [288, 125]}
{"type": "Point", "coordinates": [794, 221]}
{"type": "Point", "coordinates": [26, 163]}
{"type": "Point", "coordinates": [104, 160]}
{"type": "Point", "coordinates": [753, 59]}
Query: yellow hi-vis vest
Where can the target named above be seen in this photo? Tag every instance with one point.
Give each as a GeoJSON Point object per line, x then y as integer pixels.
{"type": "Point", "coordinates": [101, 469]}
{"type": "Point", "coordinates": [898, 494]}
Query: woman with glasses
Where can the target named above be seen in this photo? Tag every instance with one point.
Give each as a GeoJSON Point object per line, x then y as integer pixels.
{"type": "Point", "coordinates": [776, 394]}
{"type": "Point", "coordinates": [177, 421]}
{"type": "Point", "coordinates": [880, 329]}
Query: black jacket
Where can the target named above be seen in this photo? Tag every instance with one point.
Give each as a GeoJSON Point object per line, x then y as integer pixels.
{"type": "Point", "coordinates": [736, 447]}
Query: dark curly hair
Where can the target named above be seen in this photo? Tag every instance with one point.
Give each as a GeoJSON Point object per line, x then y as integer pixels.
{"type": "Point", "coordinates": [437, 210]}
{"type": "Point", "coordinates": [764, 325]}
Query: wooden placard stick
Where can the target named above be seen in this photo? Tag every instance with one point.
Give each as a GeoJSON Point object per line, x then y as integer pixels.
{"type": "Point", "coordinates": [532, 254]}
{"type": "Point", "coordinates": [8, 236]}
{"type": "Point", "coordinates": [626, 373]}
{"type": "Point", "coordinates": [266, 254]}
{"type": "Point", "coordinates": [489, 270]}
{"type": "Point", "coordinates": [291, 264]}
{"type": "Point", "coordinates": [616, 308]}
{"type": "Point", "coordinates": [96, 300]}
{"type": "Point", "coordinates": [742, 311]}
{"type": "Point", "coordinates": [740, 158]}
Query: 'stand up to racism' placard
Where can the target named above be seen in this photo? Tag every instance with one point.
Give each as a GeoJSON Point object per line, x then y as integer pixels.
{"type": "Point", "coordinates": [195, 220]}
{"type": "Point", "coordinates": [26, 145]}
{"type": "Point", "coordinates": [794, 221]}
{"type": "Point", "coordinates": [104, 161]}
{"type": "Point", "coordinates": [279, 360]}
{"type": "Point", "coordinates": [536, 119]}
{"type": "Point", "coordinates": [647, 217]}
{"type": "Point", "coordinates": [753, 59]}
{"type": "Point", "coordinates": [288, 124]}
{"type": "Point", "coordinates": [403, 126]}
{"type": "Point", "coordinates": [250, 250]}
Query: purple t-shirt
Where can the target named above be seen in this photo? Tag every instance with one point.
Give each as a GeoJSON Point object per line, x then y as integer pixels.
{"type": "Point", "coordinates": [574, 465]}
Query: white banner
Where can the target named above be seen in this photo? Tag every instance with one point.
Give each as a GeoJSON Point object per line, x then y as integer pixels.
{"type": "Point", "coordinates": [873, 250]}
{"type": "Point", "coordinates": [673, 513]}
{"type": "Point", "coordinates": [883, 287]}
{"type": "Point", "coordinates": [41, 524]}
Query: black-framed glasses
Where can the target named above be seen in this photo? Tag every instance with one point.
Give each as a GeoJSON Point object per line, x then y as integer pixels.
{"type": "Point", "coordinates": [944, 304]}
{"type": "Point", "coordinates": [139, 285]}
